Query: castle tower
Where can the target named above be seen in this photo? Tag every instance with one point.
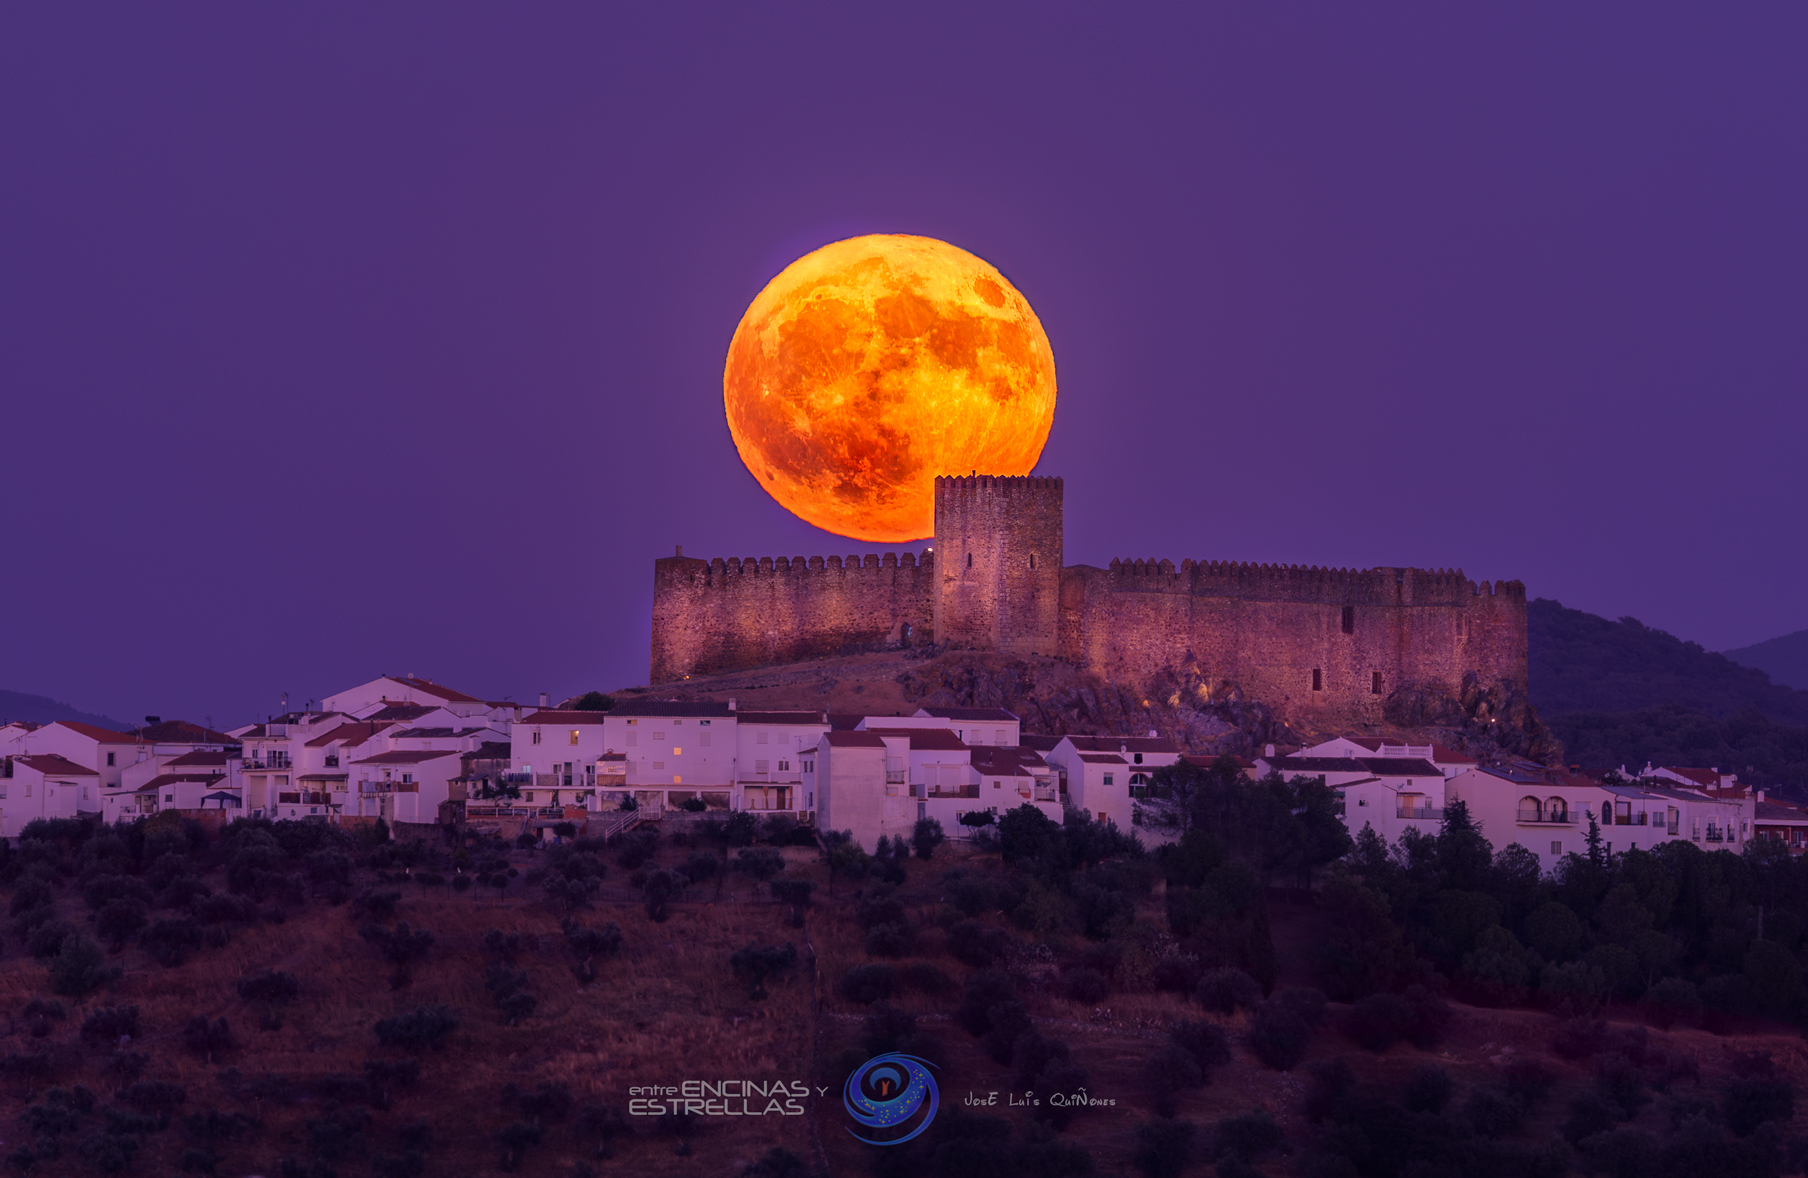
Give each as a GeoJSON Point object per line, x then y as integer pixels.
{"type": "Point", "coordinates": [998, 562]}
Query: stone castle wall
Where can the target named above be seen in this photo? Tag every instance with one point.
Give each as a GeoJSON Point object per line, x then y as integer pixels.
{"type": "Point", "coordinates": [725, 615]}
{"type": "Point", "coordinates": [1000, 545]}
{"type": "Point", "coordinates": [1310, 642]}
{"type": "Point", "coordinates": [1278, 633]}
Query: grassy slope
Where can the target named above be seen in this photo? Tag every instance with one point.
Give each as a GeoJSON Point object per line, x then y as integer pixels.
{"type": "Point", "coordinates": [667, 1010]}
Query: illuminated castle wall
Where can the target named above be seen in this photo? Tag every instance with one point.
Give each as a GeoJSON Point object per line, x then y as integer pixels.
{"type": "Point", "coordinates": [1335, 643]}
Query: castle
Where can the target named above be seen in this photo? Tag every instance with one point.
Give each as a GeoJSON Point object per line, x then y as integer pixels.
{"type": "Point", "coordinates": [1315, 643]}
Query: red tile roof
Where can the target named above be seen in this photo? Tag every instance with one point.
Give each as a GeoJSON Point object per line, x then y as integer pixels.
{"type": "Point", "coordinates": [564, 716]}
{"type": "Point", "coordinates": [407, 757]}
{"type": "Point", "coordinates": [1103, 759]}
{"type": "Point", "coordinates": [781, 718]}
{"type": "Point", "coordinates": [180, 732]}
{"type": "Point", "coordinates": [199, 757]}
{"type": "Point", "coordinates": [992, 715]}
{"type": "Point", "coordinates": [861, 740]}
{"type": "Point", "coordinates": [164, 779]}
{"type": "Point", "coordinates": [104, 735]}
{"type": "Point", "coordinates": [361, 730]}
{"type": "Point", "coordinates": [995, 761]}
{"type": "Point", "coordinates": [1113, 744]}
{"type": "Point", "coordinates": [427, 687]}
{"type": "Point", "coordinates": [52, 765]}
{"type": "Point", "coordinates": [926, 739]}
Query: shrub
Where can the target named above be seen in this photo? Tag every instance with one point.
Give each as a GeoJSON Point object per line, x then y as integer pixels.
{"type": "Point", "coordinates": [1085, 985]}
{"type": "Point", "coordinates": [1491, 1113]}
{"type": "Point", "coordinates": [1620, 1083]}
{"type": "Point", "coordinates": [1009, 1021]}
{"type": "Point", "coordinates": [273, 987]}
{"type": "Point", "coordinates": [169, 942]}
{"type": "Point", "coordinates": [740, 829]}
{"type": "Point", "coordinates": [700, 866]}
{"type": "Point", "coordinates": [154, 1097]}
{"type": "Point", "coordinates": [1588, 1115]}
{"type": "Point", "coordinates": [207, 1039]}
{"type": "Point", "coordinates": [977, 944]}
{"type": "Point", "coordinates": [1164, 1148]}
{"type": "Point", "coordinates": [760, 862]}
{"type": "Point", "coordinates": [106, 888]}
{"type": "Point", "coordinates": [422, 1027]}
{"type": "Point", "coordinates": [108, 1024]}
{"type": "Point", "coordinates": [1428, 1089]}
{"type": "Point", "coordinates": [755, 964]}
{"type": "Point", "coordinates": [46, 940]}
{"type": "Point", "coordinates": [926, 836]}
{"type": "Point", "coordinates": [1330, 1081]}
{"type": "Point", "coordinates": [515, 1139]}
{"type": "Point", "coordinates": [119, 919]}
{"type": "Point", "coordinates": [1278, 1035]}
{"type": "Point", "coordinates": [924, 978]}
{"type": "Point", "coordinates": [1378, 1021]}
{"type": "Point", "coordinates": [985, 989]}
{"type": "Point", "coordinates": [80, 968]}
{"type": "Point", "coordinates": [226, 910]}
{"type": "Point", "coordinates": [1224, 990]}
{"type": "Point", "coordinates": [1749, 1102]}
{"type": "Point", "coordinates": [1176, 974]}
{"type": "Point", "coordinates": [889, 940]}
{"type": "Point", "coordinates": [867, 984]}
{"type": "Point", "coordinates": [1307, 1002]}
{"type": "Point", "coordinates": [1204, 1041]}
{"type": "Point", "coordinates": [1168, 1070]}
{"type": "Point", "coordinates": [657, 892]}
{"type": "Point", "coordinates": [795, 892]}
{"type": "Point", "coordinates": [1670, 1001]}
{"type": "Point", "coordinates": [1249, 1135]}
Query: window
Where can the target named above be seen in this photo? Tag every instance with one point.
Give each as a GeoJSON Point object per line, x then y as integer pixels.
{"type": "Point", "coordinates": [761, 737]}
{"type": "Point", "coordinates": [1107, 779]}
{"type": "Point", "coordinates": [677, 780]}
{"type": "Point", "coordinates": [997, 736]}
{"type": "Point", "coordinates": [969, 560]}
{"type": "Point", "coordinates": [658, 764]}
{"type": "Point", "coordinates": [1139, 757]}
{"type": "Point", "coordinates": [536, 737]}
{"type": "Point", "coordinates": [1375, 684]}
{"type": "Point", "coordinates": [762, 766]}
{"type": "Point", "coordinates": [574, 736]}
{"type": "Point", "coordinates": [659, 736]}
{"type": "Point", "coordinates": [1318, 679]}
{"type": "Point", "coordinates": [110, 757]}
{"type": "Point", "coordinates": [703, 737]}
{"type": "Point", "coordinates": [1556, 847]}
{"type": "Point", "coordinates": [1349, 619]}
{"type": "Point", "coordinates": [633, 738]}
{"type": "Point", "coordinates": [169, 797]}
{"type": "Point", "coordinates": [1032, 560]}
{"type": "Point", "coordinates": [784, 766]}
{"type": "Point", "coordinates": [998, 785]}
{"type": "Point", "coordinates": [677, 752]}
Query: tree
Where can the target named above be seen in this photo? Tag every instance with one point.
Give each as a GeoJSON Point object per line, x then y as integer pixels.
{"type": "Point", "coordinates": [80, 968]}
{"type": "Point", "coordinates": [593, 701]}
{"type": "Point", "coordinates": [755, 964]}
{"type": "Point", "coordinates": [422, 1027]}
{"type": "Point", "coordinates": [926, 836]}
{"type": "Point", "coordinates": [271, 990]}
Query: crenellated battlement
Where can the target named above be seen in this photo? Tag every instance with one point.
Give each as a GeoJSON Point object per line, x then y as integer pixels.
{"type": "Point", "coordinates": [1329, 642]}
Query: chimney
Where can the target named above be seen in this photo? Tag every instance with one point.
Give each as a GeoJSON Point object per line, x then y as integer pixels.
{"type": "Point", "coordinates": [680, 549]}
{"type": "Point", "coordinates": [1153, 735]}
{"type": "Point", "coordinates": [544, 699]}
{"type": "Point", "coordinates": [731, 703]}
{"type": "Point", "coordinates": [1760, 795]}
{"type": "Point", "coordinates": [1268, 751]}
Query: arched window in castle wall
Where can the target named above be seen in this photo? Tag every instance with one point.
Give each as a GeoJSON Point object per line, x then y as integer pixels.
{"type": "Point", "coordinates": [1318, 679]}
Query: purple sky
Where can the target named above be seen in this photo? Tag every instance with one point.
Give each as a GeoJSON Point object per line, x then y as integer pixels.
{"type": "Point", "coordinates": [347, 339]}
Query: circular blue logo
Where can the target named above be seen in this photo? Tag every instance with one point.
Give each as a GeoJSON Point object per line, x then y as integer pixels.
{"type": "Point", "coordinates": [887, 1091]}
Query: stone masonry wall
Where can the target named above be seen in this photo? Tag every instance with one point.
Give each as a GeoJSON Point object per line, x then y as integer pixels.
{"type": "Point", "coordinates": [1263, 631]}
{"type": "Point", "coordinates": [726, 615]}
{"type": "Point", "coordinates": [998, 540]}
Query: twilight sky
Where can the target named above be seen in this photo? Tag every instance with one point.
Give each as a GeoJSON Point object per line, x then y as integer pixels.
{"type": "Point", "coordinates": [342, 339]}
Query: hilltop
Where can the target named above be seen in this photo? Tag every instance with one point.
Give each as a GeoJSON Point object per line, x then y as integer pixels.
{"type": "Point", "coordinates": [41, 709]}
{"type": "Point", "coordinates": [1784, 659]}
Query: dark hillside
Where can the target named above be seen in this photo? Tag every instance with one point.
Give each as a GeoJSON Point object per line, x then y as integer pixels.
{"type": "Point", "coordinates": [1584, 663]}
{"type": "Point", "coordinates": [1784, 659]}
{"type": "Point", "coordinates": [41, 709]}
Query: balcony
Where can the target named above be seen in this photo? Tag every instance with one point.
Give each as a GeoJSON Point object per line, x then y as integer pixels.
{"type": "Point", "coordinates": [1546, 818]}
{"type": "Point", "coordinates": [951, 791]}
{"type": "Point", "coordinates": [1627, 820]}
{"type": "Point", "coordinates": [894, 777]}
{"type": "Point", "coordinates": [1716, 834]}
{"type": "Point", "coordinates": [1436, 812]}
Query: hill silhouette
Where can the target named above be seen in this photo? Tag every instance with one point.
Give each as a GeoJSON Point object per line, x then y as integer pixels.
{"type": "Point", "coordinates": [1580, 662]}
{"type": "Point", "coordinates": [1784, 659]}
{"type": "Point", "coordinates": [1622, 693]}
{"type": "Point", "coordinates": [41, 709]}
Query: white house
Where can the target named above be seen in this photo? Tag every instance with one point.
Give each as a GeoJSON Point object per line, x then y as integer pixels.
{"type": "Point", "coordinates": [402, 785]}
{"type": "Point", "coordinates": [106, 752]}
{"type": "Point", "coordinates": [974, 726]}
{"type": "Point", "coordinates": [199, 790]}
{"type": "Point", "coordinates": [1448, 760]}
{"type": "Point", "coordinates": [770, 748]}
{"type": "Point", "coordinates": [674, 751]}
{"type": "Point", "coordinates": [45, 785]}
{"type": "Point", "coordinates": [367, 698]}
{"type": "Point", "coordinates": [1102, 774]}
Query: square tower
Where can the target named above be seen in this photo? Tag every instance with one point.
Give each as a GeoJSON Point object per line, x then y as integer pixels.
{"type": "Point", "coordinates": [998, 562]}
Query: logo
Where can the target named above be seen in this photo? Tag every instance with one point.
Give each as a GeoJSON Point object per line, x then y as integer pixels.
{"type": "Point", "coordinates": [887, 1091]}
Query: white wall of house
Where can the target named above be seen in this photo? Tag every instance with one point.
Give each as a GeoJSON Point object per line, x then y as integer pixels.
{"type": "Point", "coordinates": [31, 794]}
{"type": "Point", "coordinates": [850, 791]}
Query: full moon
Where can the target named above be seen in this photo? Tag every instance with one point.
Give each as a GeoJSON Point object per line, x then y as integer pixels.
{"type": "Point", "coordinates": [872, 365]}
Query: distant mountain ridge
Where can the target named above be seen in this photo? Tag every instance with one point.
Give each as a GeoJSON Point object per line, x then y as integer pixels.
{"type": "Point", "coordinates": [1579, 662]}
{"type": "Point", "coordinates": [41, 709]}
{"type": "Point", "coordinates": [1784, 659]}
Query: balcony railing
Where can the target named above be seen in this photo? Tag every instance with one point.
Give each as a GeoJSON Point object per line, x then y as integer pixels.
{"type": "Point", "coordinates": [1419, 812]}
{"type": "Point", "coordinates": [1547, 817]}
{"type": "Point", "coordinates": [1628, 819]}
{"type": "Point", "coordinates": [951, 791]}
{"type": "Point", "coordinates": [1716, 835]}
{"type": "Point", "coordinates": [894, 777]}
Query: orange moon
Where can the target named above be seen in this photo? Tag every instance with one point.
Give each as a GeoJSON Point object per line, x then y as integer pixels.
{"type": "Point", "coordinates": [872, 365]}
